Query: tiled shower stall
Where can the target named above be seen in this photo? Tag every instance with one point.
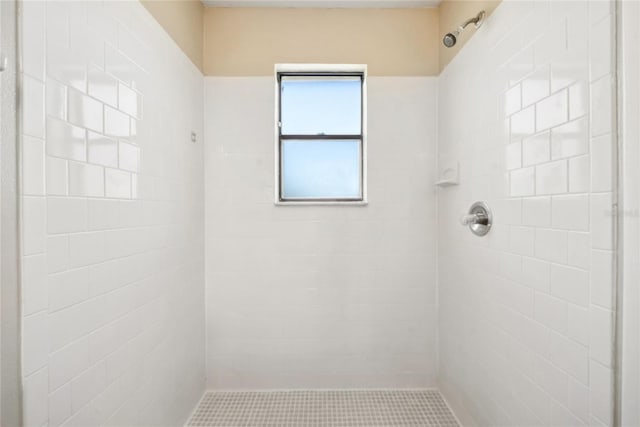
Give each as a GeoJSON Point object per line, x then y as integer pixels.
{"type": "Point", "coordinates": [112, 218]}
{"type": "Point", "coordinates": [155, 265]}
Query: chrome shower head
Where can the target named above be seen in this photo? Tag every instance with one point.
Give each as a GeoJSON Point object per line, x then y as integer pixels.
{"type": "Point", "coordinates": [450, 39]}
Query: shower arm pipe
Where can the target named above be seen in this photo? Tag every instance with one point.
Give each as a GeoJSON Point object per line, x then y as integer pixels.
{"type": "Point", "coordinates": [476, 20]}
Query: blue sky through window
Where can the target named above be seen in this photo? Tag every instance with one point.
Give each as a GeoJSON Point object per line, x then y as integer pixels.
{"type": "Point", "coordinates": [322, 168]}
{"type": "Point", "coordinates": [314, 106]}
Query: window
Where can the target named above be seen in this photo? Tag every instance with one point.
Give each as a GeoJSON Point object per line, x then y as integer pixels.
{"type": "Point", "coordinates": [320, 136]}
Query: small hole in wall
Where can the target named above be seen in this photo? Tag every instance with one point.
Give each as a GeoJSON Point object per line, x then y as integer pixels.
{"type": "Point", "coordinates": [193, 137]}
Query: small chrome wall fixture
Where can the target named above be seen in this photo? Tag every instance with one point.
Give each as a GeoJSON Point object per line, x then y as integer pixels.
{"type": "Point", "coordinates": [479, 218]}
{"type": "Point", "coordinates": [450, 39]}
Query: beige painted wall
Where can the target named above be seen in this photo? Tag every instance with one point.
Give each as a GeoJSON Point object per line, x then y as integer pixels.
{"type": "Point", "coordinates": [249, 41]}
{"type": "Point", "coordinates": [183, 20]}
{"type": "Point", "coordinates": [451, 14]}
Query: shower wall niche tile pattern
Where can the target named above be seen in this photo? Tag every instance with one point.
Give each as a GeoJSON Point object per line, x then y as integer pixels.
{"type": "Point", "coordinates": [112, 218]}
{"type": "Point", "coordinates": [526, 313]}
{"type": "Point", "coordinates": [326, 408]}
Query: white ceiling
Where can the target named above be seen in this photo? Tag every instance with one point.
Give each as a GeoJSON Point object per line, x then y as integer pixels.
{"type": "Point", "coordinates": [323, 3]}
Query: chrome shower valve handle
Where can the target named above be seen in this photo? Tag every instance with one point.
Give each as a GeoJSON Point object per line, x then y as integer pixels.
{"type": "Point", "coordinates": [475, 218]}
{"type": "Point", "coordinates": [478, 219]}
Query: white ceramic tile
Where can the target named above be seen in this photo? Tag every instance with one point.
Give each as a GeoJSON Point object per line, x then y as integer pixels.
{"type": "Point", "coordinates": [102, 150]}
{"type": "Point", "coordinates": [129, 156]}
{"type": "Point", "coordinates": [119, 65]}
{"type": "Point", "coordinates": [57, 25]}
{"type": "Point", "coordinates": [103, 342]}
{"type": "Point", "coordinates": [523, 123]}
{"type": "Point", "coordinates": [552, 111]}
{"type": "Point", "coordinates": [57, 253]}
{"type": "Point", "coordinates": [599, 10]}
{"type": "Point", "coordinates": [34, 219]}
{"type": "Point", "coordinates": [116, 123]}
{"type": "Point", "coordinates": [601, 163]}
{"type": "Point", "coordinates": [535, 273]}
{"type": "Point", "coordinates": [601, 106]}
{"type": "Point", "coordinates": [86, 57]}
{"type": "Point", "coordinates": [551, 178]}
{"type": "Point", "coordinates": [578, 327]}
{"type": "Point", "coordinates": [600, 392]}
{"type": "Point", "coordinates": [522, 240]}
{"type": "Point", "coordinates": [536, 211]}
{"type": "Point", "coordinates": [570, 212]}
{"type": "Point", "coordinates": [536, 149]}
{"type": "Point", "coordinates": [551, 311]}
{"type": "Point", "coordinates": [34, 284]}
{"type": "Point", "coordinates": [84, 40]}
{"type": "Point", "coordinates": [102, 86]}
{"type": "Point", "coordinates": [571, 284]}
{"type": "Point", "coordinates": [601, 335]}
{"type": "Point", "coordinates": [33, 39]}
{"type": "Point", "coordinates": [35, 399]}
{"type": "Point", "coordinates": [523, 182]}
{"type": "Point", "coordinates": [32, 107]}
{"type": "Point", "coordinates": [66, 215]}
{"type": "Point", "coordinates": [129, 101]}
{"type": "Point", "coordinates": [87, 385]}
{"type": "Point", "coordinates": [32, 166]}
{"type": "Point", "coordinates": [602, 278]}
{"type": "Point", "coordinates": [117, 184]}
{"type": "Point", "coordinates": [68, 288]}
{"type": "Point", "coordinates": [393, 252]}
{"type": "Point", "coordinates": [579, 174]}
{"type": "Point", "coordinates": [601, 48]}
{"type": "Point", "coordinates": [601, 221]}
{"type": "Point", "coordinates": [561, 416]}
{"type": "Point", "coordinates": [84, 111]}
{"type": "Point", "coordinates": [86, 249]}
{"type": "Point", "coordinates": [570, 356]}
{"type": "Point", "coordinates": [66, 363]}
{"type": "Point", "coordinates": [65, 140]}
{"type": "Point", "coordinates": [579, 245]}
{"type": "Point", "coordinates": [86, 180]}
{"type": "Point", "coordinates": [512, 100]}
{"type": "Point", "coordinates": [513, 155]}
{"type": "Point", "coordinates": [66, 66]}
{"type": "Point", "coordinates": [535, 87]}
{"type": "Point", "coordinates": [570, 139]}
{"type": "Point", "coordinates": [35, 342]}
{"type": "Point", "coordinates": [551, 245]}
{"type": "Point", "coordinates": [578, 100]}
{"type": "Point", "coordinates": [59, 405]}
{"type": "Point", "coordinates": [551, 378]}
{"type": "Point", "coordinates": [578, 399]}
{"type": "Point", "coordinates": [56, 99]}
{"type": "Point", "coordinates": [57, 176]}
{"type": "Point", "coordinates": [103, 214]}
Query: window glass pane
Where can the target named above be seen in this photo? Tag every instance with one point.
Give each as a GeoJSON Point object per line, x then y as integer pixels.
{"type": "Point", "coordinates": [326, 169]}
{"type": "Point", "coordinates": [320, 105]}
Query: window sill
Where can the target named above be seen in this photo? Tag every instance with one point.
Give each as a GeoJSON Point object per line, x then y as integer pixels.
{"type": "Point", "coordinates": [318, 203]}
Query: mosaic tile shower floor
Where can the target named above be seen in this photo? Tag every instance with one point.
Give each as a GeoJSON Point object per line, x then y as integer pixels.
{"type": "Point", "coordinates": [315, 408]}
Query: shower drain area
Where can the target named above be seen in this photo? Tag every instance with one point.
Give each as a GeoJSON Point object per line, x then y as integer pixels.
{"type": "Point", "coordinates": [323, 408]}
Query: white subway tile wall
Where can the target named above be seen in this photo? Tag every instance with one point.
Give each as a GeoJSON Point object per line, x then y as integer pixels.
{"type": "Point", "coordinates": [525, 328]}
{"type": "Point", "coordinates": [320, 296]}
{"type": "Point", "coordinates": [112, 218]}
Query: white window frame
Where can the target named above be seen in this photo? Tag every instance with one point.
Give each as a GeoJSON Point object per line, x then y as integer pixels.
{"type": "Point", "coordinates": [320, 68]}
